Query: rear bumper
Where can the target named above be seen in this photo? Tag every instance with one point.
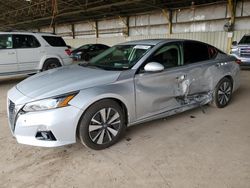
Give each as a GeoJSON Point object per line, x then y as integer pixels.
{"type": "Point", "coordinates": [67, 61]}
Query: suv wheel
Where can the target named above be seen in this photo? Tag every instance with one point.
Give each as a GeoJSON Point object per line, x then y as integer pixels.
{"type": "Point", "coordinates": [102, 125]}
{"type": "Point", "coordinates": [51, 64]}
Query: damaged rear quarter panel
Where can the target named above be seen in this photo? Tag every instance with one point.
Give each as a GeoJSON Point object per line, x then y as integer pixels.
{"type": "Point", "coordinates": [213, 72]}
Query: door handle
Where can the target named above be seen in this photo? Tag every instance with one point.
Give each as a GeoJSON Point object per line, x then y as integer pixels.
{"type": "Point", "coordinates": [11, 53]}
{"type": "Point", "coordinates": [181, 78]}
{"type": "Point", "coordinates": [218, 64]}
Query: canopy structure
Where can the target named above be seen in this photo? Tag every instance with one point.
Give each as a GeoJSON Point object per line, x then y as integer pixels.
{"type": "Point", "coordinates": [25, 14]}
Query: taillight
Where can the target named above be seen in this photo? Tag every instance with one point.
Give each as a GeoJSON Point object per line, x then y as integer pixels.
{"type": "Point", "coordinates": [68, 52]}
{"type": "Point", "coordinates": [238, 61]}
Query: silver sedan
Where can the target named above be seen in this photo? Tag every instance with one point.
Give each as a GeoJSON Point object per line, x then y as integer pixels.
{"type": "Point", "coordinates": [128, 84]}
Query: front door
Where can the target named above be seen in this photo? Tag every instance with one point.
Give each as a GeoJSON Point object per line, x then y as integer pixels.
{"type": "Point", "coordinates": [157, 92]}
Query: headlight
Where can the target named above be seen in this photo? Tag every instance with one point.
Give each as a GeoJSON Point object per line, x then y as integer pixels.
{"type": "Point", "coordinates": [47, 104]}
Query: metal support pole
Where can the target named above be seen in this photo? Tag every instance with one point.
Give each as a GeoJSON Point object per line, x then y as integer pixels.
{"type": "Point", "coordinates": [231, 7]}
{"type": "Point", "coordinates": [96, 30]}
{"type": "Point", "coordinates": [73, 31]}
{"type": "Point", "coordinates": [168, 16]}
{"type": "Point", "coordinates": [170, 25]}
{"type": "Point", "coordinates": [54, 29]}
{"type": "Point", "coordinates": [127, 25]}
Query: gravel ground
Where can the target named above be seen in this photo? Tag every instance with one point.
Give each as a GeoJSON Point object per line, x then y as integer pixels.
{"type": "Point", "coordinates": [192, 149]}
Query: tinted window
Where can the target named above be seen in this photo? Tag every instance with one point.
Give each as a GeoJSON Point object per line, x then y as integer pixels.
{"type": "Point", "coordinates": [102, 47]}
{"type": "Point", "coordinates": [195, 52]}
{"type": "Point", "coordinates": [25, 41]}
{"type": "Point", "coordinates": [98, 47]}
{"type": "Point", "coordinates": [6, 42]}
{"type": "Point", "coordinates": [213, 52]}
{"type": "Point", "coordinates": [55, 41]}
{"type": "Point", "coordinates": [245, 40]}
{"type": "Point", "coordinates": [168, 56]}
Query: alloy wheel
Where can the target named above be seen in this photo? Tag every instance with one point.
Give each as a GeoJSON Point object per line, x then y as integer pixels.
{"type": "Point", "coordinates": [224, 93]}
{"type": "Point", "coordinates": [104, 126]}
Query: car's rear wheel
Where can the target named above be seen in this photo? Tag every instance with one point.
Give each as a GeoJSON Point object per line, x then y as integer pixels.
{"type": "Point", "coordinates": [102, 125]}
{"type": "Point", "coordinates": [51, 64]}
{"type": "Point", "coordinates": [223, 93]}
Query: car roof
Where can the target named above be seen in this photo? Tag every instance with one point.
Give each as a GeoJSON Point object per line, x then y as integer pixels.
{"type": "Point", "coordinates": [26, 33]}
{"type": "Point", "coordinates": [152, 41]}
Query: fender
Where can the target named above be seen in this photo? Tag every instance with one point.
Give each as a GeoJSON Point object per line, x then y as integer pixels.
{"type": "Point", "coordinates": [46, 57]}
{"type": "Point", "coordinates": [91, 96]}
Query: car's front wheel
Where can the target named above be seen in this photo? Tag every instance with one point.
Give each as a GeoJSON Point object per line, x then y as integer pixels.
{"type": "Point", "coordinates": [102, 125]}
{"type": "Point", "coordinates": [223, 93]}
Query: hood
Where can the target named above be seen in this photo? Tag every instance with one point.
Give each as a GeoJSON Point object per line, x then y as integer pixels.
{"type": "Point", "coordinates": [64, 80]}
{"type": "Point", "coordinates": [243, 45]}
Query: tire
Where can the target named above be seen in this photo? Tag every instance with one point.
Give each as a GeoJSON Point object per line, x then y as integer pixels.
{"type": "Point", "coordinates": [51, 64]}
{"type": "Point", "coordinates": [102, 125]}
{"type": "Point", "coordinates": [223, 93]}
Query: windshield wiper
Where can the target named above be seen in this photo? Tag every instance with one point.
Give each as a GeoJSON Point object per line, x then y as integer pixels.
{"type": "Point", "coordinates": [89, 65]}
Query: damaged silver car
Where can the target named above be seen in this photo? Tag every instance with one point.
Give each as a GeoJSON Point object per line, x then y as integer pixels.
{"type": "Point", "coordinates": [128, 84]}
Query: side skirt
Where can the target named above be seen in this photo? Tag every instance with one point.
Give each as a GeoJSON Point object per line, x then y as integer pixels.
{"type": "Point", "coordinates": [187, 102]}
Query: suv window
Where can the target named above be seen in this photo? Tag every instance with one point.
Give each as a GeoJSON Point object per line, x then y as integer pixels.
{"type": "Point", "coordinates": [6, 42]}
{"type": "Point", "coordinates": [195, 52]}
{"type": "Point", "coordinates": [168, 56]}
{"type": "Point", "coordinates": [25, 41]}
{"type": "Point", "coordinates": [55, 41]}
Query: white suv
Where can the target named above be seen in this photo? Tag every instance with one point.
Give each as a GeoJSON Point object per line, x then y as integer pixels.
{"type": "Point", "coordinates": [27, 53]}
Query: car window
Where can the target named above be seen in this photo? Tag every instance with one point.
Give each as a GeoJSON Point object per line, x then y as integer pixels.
{"type": "Point", "coordinates": [213, 52]}
{"type": "Point", "coordinates": [25, 41]}
{"type": "Point", "coordinates": [168, 56]}
{"type": "Point", "coordinates": [102, 47]}
{"type": "Point", "coordinates": [6, 42]}
{"type": "Point", "coordinates": [84, 47]}
{"type": "Point", "coordinates": [55, 41]}
{"type": "Point", "coordinates": [120, 57]}
{"type": "Point", "coordinates": [195, 52]}
{"type": "Point", "coordinates": [93, 48]}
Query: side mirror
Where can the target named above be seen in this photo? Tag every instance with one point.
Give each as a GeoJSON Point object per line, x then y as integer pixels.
{"type": "Point", "coordinates": [234, 43]}
{"type": "Point", "coordinates": [153, 67]}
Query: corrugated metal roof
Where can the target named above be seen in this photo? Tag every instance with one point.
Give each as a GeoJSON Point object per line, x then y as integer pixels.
{"type": "Point", "coordinates": [25, 14]}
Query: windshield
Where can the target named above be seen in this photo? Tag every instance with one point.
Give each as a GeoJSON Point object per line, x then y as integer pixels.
{"type": "Point", "coordinates": [84, 47]}
{"type": "Point", "coordinates": [245, 40]}
{"type": "Point", "coordinates": [120, 57]}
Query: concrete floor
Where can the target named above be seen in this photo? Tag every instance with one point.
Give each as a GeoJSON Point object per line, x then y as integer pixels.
{"type": "Point", "coordinates": [192, 149]}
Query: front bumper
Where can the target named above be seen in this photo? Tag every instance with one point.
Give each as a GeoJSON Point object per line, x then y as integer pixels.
{"type": "Point", "coordinates": [61, 122]}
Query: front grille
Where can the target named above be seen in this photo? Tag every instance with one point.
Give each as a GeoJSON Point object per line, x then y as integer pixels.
{"type": "Point", "coordinates": [12, 114]}
{"type": "Point", "coordinates": [245, 52]}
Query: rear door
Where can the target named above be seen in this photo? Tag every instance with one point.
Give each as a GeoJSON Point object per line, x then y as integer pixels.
{"type": "Point", "coordinates": [198, 60]}
{"type": "Point", "coordinates": [8, 56]}
{"type": "Point", "coordinates": [28, 52]}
